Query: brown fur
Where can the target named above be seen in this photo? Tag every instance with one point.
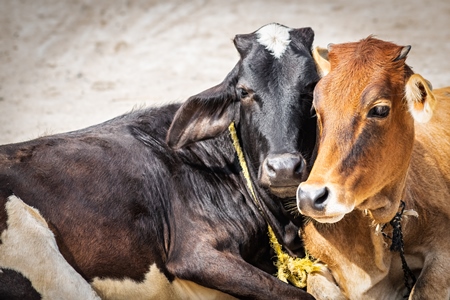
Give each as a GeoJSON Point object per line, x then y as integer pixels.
{"type": "Point", "coordinates": [368, 166]}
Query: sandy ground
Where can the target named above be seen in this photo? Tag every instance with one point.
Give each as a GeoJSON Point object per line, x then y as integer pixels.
{"type": "Point", "coordinates": [65, 65]}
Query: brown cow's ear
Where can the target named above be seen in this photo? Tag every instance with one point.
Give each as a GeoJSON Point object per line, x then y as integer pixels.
{"type": "Point", "coordinates": [320, 56]}
{"type": "Point", "coordinates": [205, 115]}
{"type": "Point", "coordinates": [420, 98]}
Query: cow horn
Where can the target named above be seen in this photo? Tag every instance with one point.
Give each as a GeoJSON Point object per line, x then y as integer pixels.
{"type": "Point", "coordinates": [403, 53]}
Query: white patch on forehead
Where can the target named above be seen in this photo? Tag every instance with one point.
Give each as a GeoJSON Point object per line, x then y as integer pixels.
{"type": "Point", "coordinates": [275, 38]}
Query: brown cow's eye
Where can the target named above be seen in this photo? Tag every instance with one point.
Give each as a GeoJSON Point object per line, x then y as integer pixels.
{"type": "Point", "coordinates": [379, 111]}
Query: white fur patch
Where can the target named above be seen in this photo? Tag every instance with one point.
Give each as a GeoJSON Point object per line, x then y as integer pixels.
{"type": "Point", "coordinates": [154, 286]}
{"type": "Point", "coordinates": [275, 38]}
{"type": "Point", "coordinates": [29, 247]}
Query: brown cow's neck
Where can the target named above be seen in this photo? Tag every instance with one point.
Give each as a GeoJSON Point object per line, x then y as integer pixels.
{"type": "Point", "coordinates": [331, 243]}
{"type": "Point", "coordinates": [397, 245]}
{"type": "Point", "coordinates": [361, 232]}
{"type": "Point", "coordinates": [383, 206]}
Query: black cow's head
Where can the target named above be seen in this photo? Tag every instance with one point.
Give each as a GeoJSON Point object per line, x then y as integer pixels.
{"type": "Point", "coordinates": [268, 94]}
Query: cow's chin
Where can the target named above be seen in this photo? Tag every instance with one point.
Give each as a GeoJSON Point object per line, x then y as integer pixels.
{"type": "Point", "coordinates": [284, 191]}
{"type": "Point", "coordinates": [329, 219]}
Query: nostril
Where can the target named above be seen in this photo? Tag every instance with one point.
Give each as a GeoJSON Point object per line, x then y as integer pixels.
{"type": "Point", "coordinates": [320, 198]}
{"type": "Point", "coordinates": [299, 167]}
{"type": "Point", "coordinates": [271, 168]}
{"type": "Point", "coordinates": [312, 197]}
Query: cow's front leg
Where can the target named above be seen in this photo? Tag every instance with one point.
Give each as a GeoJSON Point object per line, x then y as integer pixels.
{"type": "Point", "coordinates": [232, 275]}
{"type": "Point", "coordinates": [323, 287]}
{"type": "Point", "coordinates": [434, 281]}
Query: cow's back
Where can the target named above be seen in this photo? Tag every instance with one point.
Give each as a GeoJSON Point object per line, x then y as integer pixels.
{"type": "Point", "coordinates": [428, 180]}
{"type": "Point", "coordinates": [431, 155]}
{"type": "Point", "coordinates": [95, 196]}
{"type": "Point", "coordinates": [435, 134]}
{"type": "Point", "coordinates": [120, 182]}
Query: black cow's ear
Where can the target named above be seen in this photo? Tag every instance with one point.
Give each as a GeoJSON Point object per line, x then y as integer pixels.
{"type": "Point", "coordinates": [303, 35]}
{"type": "Point", "coordinates": [243, 43]}
{"type": "Point", "coordinates": [205, 115]}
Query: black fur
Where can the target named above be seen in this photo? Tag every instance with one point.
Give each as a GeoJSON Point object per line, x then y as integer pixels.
{"type": "Point", "coordinates": [119, 199]}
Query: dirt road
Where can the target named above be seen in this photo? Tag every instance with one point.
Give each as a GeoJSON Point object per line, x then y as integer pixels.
{"type": "Point", "coordinates": [65, 65]}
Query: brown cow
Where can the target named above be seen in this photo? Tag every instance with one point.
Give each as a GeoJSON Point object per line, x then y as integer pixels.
{"type": "Point", "coordinates": [376, 147]}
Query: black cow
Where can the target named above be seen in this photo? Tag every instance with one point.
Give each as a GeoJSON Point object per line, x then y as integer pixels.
{"type": "Point", "coordinates": [153, 204]}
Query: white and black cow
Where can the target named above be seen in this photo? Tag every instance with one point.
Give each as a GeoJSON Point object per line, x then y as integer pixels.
{"type": "Point", "coordinates": [153, 204]}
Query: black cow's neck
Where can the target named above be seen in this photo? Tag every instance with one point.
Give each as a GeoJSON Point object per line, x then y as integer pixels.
{"type": "Point", "coordinates": [219, 158]}
{"type": "Point", "coordinates": [285, 226]}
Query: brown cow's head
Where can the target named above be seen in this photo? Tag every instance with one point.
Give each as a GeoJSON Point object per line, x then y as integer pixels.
{"type": "Point", "coordinates": [366, 106]}
{"type": "Point", "coordinates": [268, 95]}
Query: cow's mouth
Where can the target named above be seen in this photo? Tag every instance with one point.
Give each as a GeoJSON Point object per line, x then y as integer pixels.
{"type": "Point", "coordinates": [284, 191]}
{"type": "Point", "coordinates": [328, 219]}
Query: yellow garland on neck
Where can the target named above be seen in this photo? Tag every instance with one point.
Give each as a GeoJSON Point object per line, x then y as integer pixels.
{"type": "Point", "coordinates": [294, 270]}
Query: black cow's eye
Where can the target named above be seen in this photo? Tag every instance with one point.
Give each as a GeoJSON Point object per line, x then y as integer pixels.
{"type": "Point", "coordinates": [379, 111]}
{"type": "Point", "coordinates": [243, 92]}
